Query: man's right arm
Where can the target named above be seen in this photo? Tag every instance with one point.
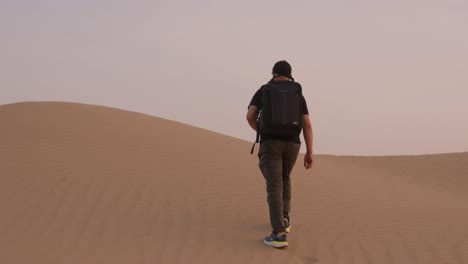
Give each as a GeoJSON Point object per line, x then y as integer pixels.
{"type": "Point", "coordinates": [308, 137]}
{"type": "Point", "coordinates": [252, 116]}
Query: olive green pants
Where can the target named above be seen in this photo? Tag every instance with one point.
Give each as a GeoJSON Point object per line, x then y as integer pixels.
{"type": "Point", "coordinates": [276, 161]}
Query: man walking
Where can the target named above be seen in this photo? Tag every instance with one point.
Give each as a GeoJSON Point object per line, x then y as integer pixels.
{"type": "Point", "coordinates": [278, 112]}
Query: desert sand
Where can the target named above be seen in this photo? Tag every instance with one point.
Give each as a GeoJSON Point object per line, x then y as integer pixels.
{"type": "Point", "coordinates": [90, 184]}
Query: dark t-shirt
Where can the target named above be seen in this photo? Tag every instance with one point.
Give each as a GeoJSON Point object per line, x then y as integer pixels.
{"type": "Point", "coordinates": [257, 101]}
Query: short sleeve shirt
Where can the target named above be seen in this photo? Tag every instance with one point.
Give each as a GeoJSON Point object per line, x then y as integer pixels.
{"type": "Point", "coordinates": [257, 101]}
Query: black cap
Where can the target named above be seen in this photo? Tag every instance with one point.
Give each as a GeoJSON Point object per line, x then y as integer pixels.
{"type": "Point", "coordinates": [282, 68]}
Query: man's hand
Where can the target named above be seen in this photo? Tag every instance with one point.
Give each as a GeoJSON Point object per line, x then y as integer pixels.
{"type": "Point", "coordinates": [308, 160]}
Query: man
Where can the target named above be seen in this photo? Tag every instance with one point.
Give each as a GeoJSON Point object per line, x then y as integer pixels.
{"type": "Point", "coordinates": [278, 154]}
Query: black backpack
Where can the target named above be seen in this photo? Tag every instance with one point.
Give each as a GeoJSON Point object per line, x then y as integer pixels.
{"type": "Point", "coordinates": [281, 112]}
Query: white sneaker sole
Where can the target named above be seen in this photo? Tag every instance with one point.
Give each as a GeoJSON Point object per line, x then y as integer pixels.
{"type": "Point", "coordinates": [276, 244]}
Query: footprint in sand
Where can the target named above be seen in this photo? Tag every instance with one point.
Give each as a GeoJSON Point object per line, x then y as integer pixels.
{"type": "Point", "coordinates": [307, 260]}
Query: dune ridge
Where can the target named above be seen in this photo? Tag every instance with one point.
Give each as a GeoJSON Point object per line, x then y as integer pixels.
{"type": "Point", "coordinates": [90, 184]}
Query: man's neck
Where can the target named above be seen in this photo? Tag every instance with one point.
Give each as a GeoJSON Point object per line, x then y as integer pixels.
{"type": "Point", "coordinates": [281, 78]}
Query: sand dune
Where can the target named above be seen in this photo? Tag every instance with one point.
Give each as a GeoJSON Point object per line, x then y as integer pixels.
{"type": "Point", "coordinates": [90, 184]}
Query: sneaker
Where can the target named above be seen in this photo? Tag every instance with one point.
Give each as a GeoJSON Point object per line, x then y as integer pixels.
{"type": "Point", "coordinates": [287, 225]}
{"type": "Point", "coordinates": [276, 241]}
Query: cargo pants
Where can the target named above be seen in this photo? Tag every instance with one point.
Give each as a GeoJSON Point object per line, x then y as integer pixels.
{"type": "Point", "coordinates": [276, 161]}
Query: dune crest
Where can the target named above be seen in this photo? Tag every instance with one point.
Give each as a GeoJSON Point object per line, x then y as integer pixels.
{"type": "Point", "coordinates": [91, 184]}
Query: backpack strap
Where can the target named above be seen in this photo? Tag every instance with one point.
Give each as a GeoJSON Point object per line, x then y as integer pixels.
{"type": "Point", "coordinates": [256, 141]}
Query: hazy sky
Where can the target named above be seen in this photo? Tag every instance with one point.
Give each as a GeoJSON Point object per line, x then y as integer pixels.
{"type": "Point", "coordinates": [380, 77]}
